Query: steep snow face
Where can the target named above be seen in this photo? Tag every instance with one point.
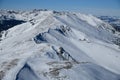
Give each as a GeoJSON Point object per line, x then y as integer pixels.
{"type": "Point", "coordinates": [54, 45]}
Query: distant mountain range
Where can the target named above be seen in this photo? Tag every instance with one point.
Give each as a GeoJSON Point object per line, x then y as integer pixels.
{"type": "Point", "coordinates": [113, 21]}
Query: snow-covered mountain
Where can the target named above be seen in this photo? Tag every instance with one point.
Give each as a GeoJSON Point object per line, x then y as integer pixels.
{"type": "Point", "coordinates": [114, 21]}
{"type": "Point", "coordinates": [51, 45]}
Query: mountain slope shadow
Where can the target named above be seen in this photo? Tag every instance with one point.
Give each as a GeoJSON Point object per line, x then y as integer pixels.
{"type": "Point", "coordinates": [6, 24]}
{"type": "Point", "coordinates": [26, 73]}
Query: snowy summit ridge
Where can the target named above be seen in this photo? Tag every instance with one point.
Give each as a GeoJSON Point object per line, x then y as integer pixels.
{"type": "Point", "coordinates": [51, 45]}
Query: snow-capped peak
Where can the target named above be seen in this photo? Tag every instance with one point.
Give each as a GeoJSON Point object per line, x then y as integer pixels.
{"type": "Point", "coordinates": [51, 45]}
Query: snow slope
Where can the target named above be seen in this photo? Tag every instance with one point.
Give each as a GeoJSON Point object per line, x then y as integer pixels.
{"type": "Point", "coordinates": [54, 45]}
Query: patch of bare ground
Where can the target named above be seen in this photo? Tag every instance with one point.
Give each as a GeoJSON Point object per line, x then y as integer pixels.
{"type": "Point", "coordinates": [6, 66]}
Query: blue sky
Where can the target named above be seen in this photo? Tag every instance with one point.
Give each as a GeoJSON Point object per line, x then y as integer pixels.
{"type": "Point", "coordinates": [98, 7]}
